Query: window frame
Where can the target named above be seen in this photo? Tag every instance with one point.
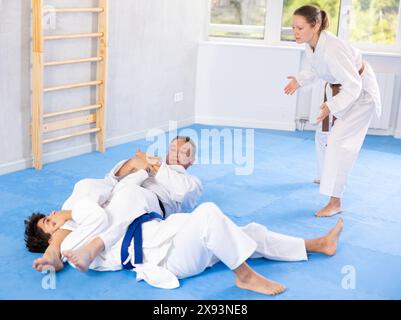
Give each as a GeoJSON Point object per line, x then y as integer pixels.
{"type": "Point", "coordinates": [233, 39]}
{"type": "Point", "coordinates": [273, 29]}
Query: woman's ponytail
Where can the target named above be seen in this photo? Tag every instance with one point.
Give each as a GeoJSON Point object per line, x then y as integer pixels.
{"type": "Point", "coordinates": [325, 20]}
{"type": "Point", "coordinates": [314, 15]}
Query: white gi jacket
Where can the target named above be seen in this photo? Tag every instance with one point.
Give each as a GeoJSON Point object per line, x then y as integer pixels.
{"type": "Point", "coordinates": [166, 258]}
{"type": "Point", "coordinates": [90, 219]}
{"type": "Point", "coordinates": [337, 62]}
{"type": "Point", "coordinates": [175, 187]}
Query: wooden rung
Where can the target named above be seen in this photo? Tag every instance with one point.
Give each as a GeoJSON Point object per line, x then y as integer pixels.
{"type": "Point", "coordinates": [67, 10]}
{"type": "Point", "coordinates": [74, 36]}
{"type": "Point", "coordinates": [59, 63]}
{"type": "Point", "coordinates": [73, 86]}
{"type": "Point", "coordinates": [76, 134]}
{"type": "Point", "coordinates": [86, 108]}
{"type": "Point", "coordinates": [68, 123]}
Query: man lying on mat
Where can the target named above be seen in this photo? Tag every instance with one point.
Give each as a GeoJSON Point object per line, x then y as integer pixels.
{"type": "Point", "coordinates": [130, 233]}
{"type": "Point", "coordinates": [175, 188]}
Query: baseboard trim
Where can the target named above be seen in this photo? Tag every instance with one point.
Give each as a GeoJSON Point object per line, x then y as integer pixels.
{"type": "Point", "coordinates": [274, 125]}
{"type": "Point", "coordinates": [371, 131]}
{"type": "Point", "coordinates": [15, 166]}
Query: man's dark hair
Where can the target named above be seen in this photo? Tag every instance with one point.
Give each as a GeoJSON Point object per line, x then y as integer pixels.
{"type": "Point", "coordinates": [36, 240]}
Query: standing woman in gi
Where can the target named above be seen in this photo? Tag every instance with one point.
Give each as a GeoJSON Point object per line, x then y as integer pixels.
{"type": "Point", "coordinates": [358, 97]}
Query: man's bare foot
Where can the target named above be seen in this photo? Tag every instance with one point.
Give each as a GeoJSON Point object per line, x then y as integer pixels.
{"type": "Point", "coordinates": [260, 284]}
{"type": "Point", "coordinates": [81, 258]}
{"type": "Point", "coordinates": [251, 280]}
{"type": "Point", "coordinates": [326, 244]}
{"type": "Point", "coordinates": [331, 209]}
{"type": "Point", "coordinates": [329, 241]}
{"type": "Point", "coordinates": [43, 263]}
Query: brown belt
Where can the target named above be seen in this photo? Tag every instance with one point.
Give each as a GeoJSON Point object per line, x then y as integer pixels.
{"type": "Point", "coordinates": [335, 88]}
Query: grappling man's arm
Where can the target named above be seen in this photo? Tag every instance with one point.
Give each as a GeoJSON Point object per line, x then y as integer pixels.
{"type": "Point", "coordinates": [126, 168]}
{"type": "Point", "coordinates": [52, 255]}
{"type": "Point", "coordinates": [140, 161]}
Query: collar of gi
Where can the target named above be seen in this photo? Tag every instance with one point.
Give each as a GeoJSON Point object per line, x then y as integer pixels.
{"type": "Point", "coordinates": [321, 43]}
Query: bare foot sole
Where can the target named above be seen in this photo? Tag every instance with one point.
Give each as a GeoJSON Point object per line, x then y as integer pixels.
{"type": "Point", "coordinates": [331, 238]}
{"type": "Point", "coordinates": [42, 263]}
{"type": "Point", "coordinates": [260, 284]}
{"type": "Point", "coordinates": [328, 211]}
{"type": "Point", "coordinates": [80, 259]}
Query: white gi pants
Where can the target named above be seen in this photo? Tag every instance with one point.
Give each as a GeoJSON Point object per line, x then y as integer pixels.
{"type": "Point", "coordinates": [344, 143]}
{"type": "Point", "coordinates": [321, 146]}
{"type": "Point", "coordinates": [130, 202]}
{"type": "Point", "coordinates": [209, 236]}
{"type": "Point", "coordinates": [322, 136]}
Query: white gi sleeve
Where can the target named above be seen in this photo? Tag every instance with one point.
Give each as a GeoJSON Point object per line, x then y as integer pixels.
{"type": "Point", "coordinates": [343, 69]}
{"type": "Point", "coordinates": [307, 76]}
{"type": "Point", "coordinates": [180, 185]}
{"type": "Point", "coordinates": [90, 219]}
{"type": "Point", "coordinates": [135, 178]}
{"type": "Point", "coordinates": [111, 175]}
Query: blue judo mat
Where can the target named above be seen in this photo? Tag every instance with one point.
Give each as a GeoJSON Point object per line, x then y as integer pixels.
{"type": "Point", "coordinates": [279, 194]}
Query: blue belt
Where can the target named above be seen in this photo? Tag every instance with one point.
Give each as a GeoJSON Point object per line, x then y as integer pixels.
{"type": "Point", "coordinates": [135, 231]}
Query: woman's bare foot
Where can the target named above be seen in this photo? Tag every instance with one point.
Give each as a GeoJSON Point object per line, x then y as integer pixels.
{"type": "Point", "coordinates": [328, 243]}
{"type": "Point", "coordinates": [81, 258]}
{"type": "Point", "coordinates": [331, 209]}
{"type": "Point", "coordinates": [248, 279]}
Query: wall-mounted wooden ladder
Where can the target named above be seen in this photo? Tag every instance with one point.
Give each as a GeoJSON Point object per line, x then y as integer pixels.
{"type": "Point", "coordinates": [40, 120]}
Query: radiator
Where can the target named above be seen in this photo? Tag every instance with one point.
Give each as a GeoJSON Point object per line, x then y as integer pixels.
{"type": "Point", "coordinates": [386, 83]}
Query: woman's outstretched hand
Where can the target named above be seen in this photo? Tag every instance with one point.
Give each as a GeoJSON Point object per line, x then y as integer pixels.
{"type": "Point", "coordinates": [292, 86]}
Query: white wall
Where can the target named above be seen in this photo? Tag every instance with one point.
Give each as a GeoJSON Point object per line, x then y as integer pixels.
{"type": "Point", "coordinates": [398, 127]}
{"type": "Point", "coordinates": [152, 55]}
{"type": "Point", "coordinates": [242, 85]}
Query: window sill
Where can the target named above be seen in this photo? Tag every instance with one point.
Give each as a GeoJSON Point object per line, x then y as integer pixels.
{"type": "Point", "coordinates": [250, 43]}
{"type": "Point", "coordinates": [381, 54]}
{"type": "Point", "coordinates": [262, 44]}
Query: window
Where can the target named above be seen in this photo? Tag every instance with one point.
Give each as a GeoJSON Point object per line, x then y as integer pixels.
{"type": "Point", "coordinates": [238, 19]}
{"type": "Point", "coordinates": [374, 21]}
{"type": "Point", "coordinates": [369, 24]}
{"type": "Point", "coordinates": [332, 7]}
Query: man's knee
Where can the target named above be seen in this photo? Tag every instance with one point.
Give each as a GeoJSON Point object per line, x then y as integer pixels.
{"type": "Point", "coordinates": [84, 185]}
{"type": "Point", "coordinates": [209, 209]}
{"type": "Point", "coordinates": [254, 228]}
{"type": "Point", "coordinates": [209, 215]}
